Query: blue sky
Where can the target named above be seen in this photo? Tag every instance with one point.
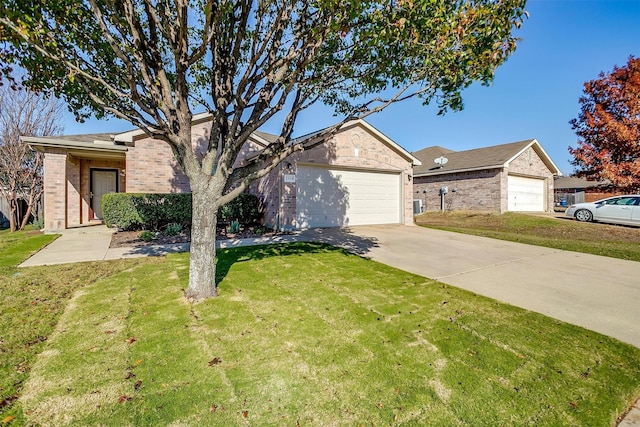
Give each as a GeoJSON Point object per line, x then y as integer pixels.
{"type": "Point", "coordinates": [534, 94]}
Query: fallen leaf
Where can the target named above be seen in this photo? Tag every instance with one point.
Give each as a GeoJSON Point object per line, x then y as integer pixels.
{"type": "Point", "coordinates": [215, 361]}
{"type": "Point", "coordinates": [123, 398]}
{"type": "Point", "coordinates": [213, 408]}
{"type": "Point", "coordinates": [245, 414]}
{"type": "Point", "coordinates": [139, 361]}
{"type": "Point", "coordinates": [137, 385]}
{"type": "Point", "coordinates": [7, 419]}
{"type": "Point", "coordinates": [131, 340]}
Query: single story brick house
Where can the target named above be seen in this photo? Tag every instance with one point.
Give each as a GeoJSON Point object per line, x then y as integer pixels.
{"type": "Point", "coordinates": [510, 177]}
{"type": "Point", "coordinates": [358, 176]}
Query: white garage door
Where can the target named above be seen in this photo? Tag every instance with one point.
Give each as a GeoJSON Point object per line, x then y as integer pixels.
{"type": "Point", "coordinates": [526, 194]}
{"type": "Point", "coordinates": [335, 197]}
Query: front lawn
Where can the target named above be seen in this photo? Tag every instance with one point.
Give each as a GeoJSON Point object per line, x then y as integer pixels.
{"type": "Point", "coordinates": [599, 239]}
{"type": "Point", "coordinates": [33, 299]}
{"type": "Point", "coordinates": [306, 334]}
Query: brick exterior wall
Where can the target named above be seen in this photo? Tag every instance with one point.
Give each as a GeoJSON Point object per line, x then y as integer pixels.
{"type": "Point", "coordinates": [354, 147]}
{"type": "Point", "coordinates": [152, 168]}
{"type": "Point", "coordinates": [475, 190]}
{"type": "Point", "coordinates": [55, 184]}
{"type": "Point", "coordinates": [482, 190]}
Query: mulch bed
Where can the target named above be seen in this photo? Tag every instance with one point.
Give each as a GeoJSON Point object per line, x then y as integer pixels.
{"type": "Point", "coordinates": [123, 239]}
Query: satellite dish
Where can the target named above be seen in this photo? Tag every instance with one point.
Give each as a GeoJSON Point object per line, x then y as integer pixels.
{"type": "Point", "coordinates": [441, 161]}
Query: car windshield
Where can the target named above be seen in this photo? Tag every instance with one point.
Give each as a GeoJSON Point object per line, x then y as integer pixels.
{"type": "Point", "coordinates": [628, 201]}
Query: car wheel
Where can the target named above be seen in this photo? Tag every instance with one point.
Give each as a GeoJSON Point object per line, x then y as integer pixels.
{"type": "Point", "coordinates": [583, 215]}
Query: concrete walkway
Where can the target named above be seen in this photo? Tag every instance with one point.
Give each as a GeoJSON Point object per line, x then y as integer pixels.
{"type": "Point", "coordinates": [92, 244]}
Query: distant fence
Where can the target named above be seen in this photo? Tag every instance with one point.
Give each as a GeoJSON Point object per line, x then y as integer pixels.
{"type": "Point", "coordinates": [568, 199]}
{"type": "Point", "coordinates": [22, 208]}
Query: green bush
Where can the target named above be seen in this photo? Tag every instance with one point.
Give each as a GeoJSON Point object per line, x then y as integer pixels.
{"type": "Point", "coordinates": [246, 209]}
{"type": "Point", "coordinates": [234, 227]}
{"type": "Point", "coordinates": [173, 229]}
{"type": "Point", "coordinates": [131, 211]}
{"type": "Point", "coordinates": [119, 210]}
{"type": "Point", "coordinates": [147, 235]}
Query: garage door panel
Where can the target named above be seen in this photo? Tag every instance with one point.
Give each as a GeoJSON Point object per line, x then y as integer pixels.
{"type": "Point", "coordinates": [334, 197]}
{"type": "Point", "coordinates": [526, 194]}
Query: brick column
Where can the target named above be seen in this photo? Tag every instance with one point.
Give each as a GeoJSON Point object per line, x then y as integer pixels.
{"type": "Point", "coordinates": [55, 194]}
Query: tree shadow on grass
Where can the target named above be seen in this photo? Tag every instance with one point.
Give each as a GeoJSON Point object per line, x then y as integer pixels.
{"type": "Point", "coordinates": [228, 257]}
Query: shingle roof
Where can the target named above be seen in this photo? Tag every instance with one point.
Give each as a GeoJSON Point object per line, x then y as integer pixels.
{"type": "Point", "coordinates": [88, 138]}
{"type": "Point", "coordinates": [496, 156]}
{"type": "Point", "coordinates": [573, 182]}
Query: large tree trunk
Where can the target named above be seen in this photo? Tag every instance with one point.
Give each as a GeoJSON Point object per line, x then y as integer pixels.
{"type": "Point", "coordinates": [202, 268]}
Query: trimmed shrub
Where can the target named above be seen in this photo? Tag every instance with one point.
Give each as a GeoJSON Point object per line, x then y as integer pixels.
{"type": "Point", "coordinates": [173, 229]}
{"type": "Point", "coordinates": [130, 211]}
{"type": "Point", "coordinates": [118, 210]}
{"type": "Point", "coordinates": [246, 209]}
{"type": "Point", "coordinates": [147, 235]}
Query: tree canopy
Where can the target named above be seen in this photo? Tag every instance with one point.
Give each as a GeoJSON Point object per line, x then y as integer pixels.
{"type": "Point", "coordinates": [154, 62]}
{"type": "Point", "coordinates": [608, 128]}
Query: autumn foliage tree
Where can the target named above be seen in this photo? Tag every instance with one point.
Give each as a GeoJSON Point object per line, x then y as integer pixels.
{"type": "Point", "coordinates": [246, 63]}
{"type": "Point", "coordinates": [608, 128]}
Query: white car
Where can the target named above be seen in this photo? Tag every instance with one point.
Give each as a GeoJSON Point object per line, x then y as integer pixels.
{"type": "Point", "coordinates": [617, 210]}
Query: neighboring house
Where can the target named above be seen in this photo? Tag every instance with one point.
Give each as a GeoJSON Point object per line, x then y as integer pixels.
{"type": "Point", "coordinates": [359, 176]}
{"type": "Point", "coordinates": [571, 189]}
{"type": "Point", "coordinates": [510, 177]}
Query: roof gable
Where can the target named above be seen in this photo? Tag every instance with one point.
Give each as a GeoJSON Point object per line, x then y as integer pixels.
{"type": "Point", "coordinates": [384, 139]}
{"type": "Point", "coordinates": [494, 157]}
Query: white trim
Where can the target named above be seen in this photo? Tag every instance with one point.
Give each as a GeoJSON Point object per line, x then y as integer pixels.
{"type": "Point", "coordinates": [541, 153]}
{"type": "Point", "coordinates": [132, 135]}
{"type": "Point", "coordinates": [61, 143]}
{"type": "Point", "coordinates": [447, 172]}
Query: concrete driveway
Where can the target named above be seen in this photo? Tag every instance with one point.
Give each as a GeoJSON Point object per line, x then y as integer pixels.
{"type": "Point", "coordinates": [598, 293]}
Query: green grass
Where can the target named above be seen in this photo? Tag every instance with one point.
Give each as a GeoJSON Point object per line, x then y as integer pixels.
{"type": "Point", "coordinates": [305, 334]}
{"type": "Point", "coordinates": [559, 233]}
{"type": "Point", "coordinates": [33, 299]}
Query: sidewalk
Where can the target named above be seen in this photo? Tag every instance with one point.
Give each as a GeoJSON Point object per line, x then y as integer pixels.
{"type": "Point", "coordinates": [92, 244]}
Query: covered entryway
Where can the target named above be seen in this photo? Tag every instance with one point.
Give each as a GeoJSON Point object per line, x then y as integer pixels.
{"type": "Point", "coordinates": [332, 197]}
{"type": "Point", "coordinates": [103, 181]}
{"type": "Point", "coordinates": [525, 194]}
